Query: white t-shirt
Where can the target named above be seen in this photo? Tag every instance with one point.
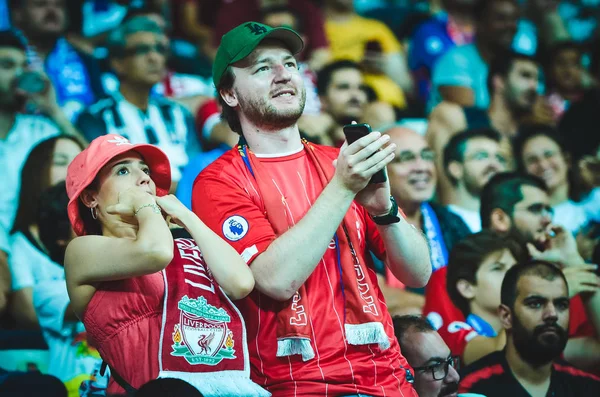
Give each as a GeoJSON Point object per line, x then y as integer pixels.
{"type": "Point", "coordinates": [72, 360]}
{"type": "Point", "coordinates": [25, 134]}
{"type": "Point", "coordinates": [28, 265]}
{"type": "Point", "coordinates": [574, 215]}
{"type": "Point", "coordinates": [471, 218]}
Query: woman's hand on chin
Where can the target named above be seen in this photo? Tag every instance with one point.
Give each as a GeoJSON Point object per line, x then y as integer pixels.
{"type": "Point", "coordinates": [129, 201]}
{"type": "Point", "coordinates": [175, 210]}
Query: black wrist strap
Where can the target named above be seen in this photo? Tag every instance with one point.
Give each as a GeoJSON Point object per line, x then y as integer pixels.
{"type": "Point", "coordinates": [390, 217]}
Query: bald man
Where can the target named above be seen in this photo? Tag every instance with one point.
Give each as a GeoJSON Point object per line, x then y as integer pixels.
{"type": "Point", "coordinates": [413, 178]}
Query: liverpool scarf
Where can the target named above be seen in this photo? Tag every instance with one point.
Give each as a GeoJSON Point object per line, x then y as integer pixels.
{"type": "Point", "coordinates": [363, 316]}
{"type": "Point", "coordinates": [203, 337]}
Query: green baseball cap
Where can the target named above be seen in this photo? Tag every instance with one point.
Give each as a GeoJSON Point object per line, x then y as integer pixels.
{"type": "Point", "coordinates": [240, 41]}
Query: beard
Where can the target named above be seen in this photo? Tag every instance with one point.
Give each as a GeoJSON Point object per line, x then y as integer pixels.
{"type": "Point", "coordinates": [262, 113]}
{"type": "Point", "coordinates": [474, 183]}
{"type": "Point", "coordinates": [534, 347]}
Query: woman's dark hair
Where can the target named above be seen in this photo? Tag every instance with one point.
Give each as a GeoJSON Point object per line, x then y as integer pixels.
{"type": "Point", "coordinates": [35, 178]}
{"type": "Point", "coordinates": [530, 131]}
{"type": "Point", "coordinates": [53, 221]}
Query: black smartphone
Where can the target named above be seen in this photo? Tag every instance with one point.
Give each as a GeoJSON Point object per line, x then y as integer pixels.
{"type": "Point", "coordinates": [354, 132]}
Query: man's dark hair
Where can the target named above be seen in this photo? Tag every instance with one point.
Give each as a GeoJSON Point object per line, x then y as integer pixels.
{"type": "Point", "coordinates": [504, 191]}
{"type": "Point", "coordinates": [227, 112]}
{"type": "Point", "coordinates": [502, 64]}
{"type": "Point", "coordinates": [167, 387]}
{"type": "Point", "coordinates": [283, 9]}
{"type": "Point", "coordinates": [546, 270]}
{"type": "Point", "coordinates": [456, 146]}
{"type": "Point", "coordinates": [12, 39]}
{"type": "Point", "coordinates": [467, 256]}
{"type": "Point", "coordinates": [53, 221]}
{"type": "Point", "coordinates": [554, 51]}
{"type": "Point", "coordinates": [482, 7]}
{"type": "Point", "coordinates": [402, 324]}
{"type": "Point", "coordinates": [326, 74]}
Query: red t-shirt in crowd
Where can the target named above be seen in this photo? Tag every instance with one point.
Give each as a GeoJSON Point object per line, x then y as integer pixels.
{"type": "Point", "coordinates": [225, 194]}
{"type": "Point", "coordinates": [451, 323]}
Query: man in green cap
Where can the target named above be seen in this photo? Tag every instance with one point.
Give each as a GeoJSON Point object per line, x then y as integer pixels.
{"type": "Point", "coordinates": [304, 217]}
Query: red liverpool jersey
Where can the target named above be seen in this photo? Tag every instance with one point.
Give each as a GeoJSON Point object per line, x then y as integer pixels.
{"type": "Point", "coordinates": [225, 197]}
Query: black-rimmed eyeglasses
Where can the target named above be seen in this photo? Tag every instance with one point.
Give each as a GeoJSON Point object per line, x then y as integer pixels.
{"type": "Point", "coordinates": [439, 371]}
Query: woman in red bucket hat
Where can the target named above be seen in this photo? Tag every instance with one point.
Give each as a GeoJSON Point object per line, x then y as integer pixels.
{"type": "Point", "coordinates": [155, 306]}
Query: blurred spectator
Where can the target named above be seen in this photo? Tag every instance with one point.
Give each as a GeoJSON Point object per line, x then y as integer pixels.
{"type": "Point", "coordinates": [412, 179]}
{"type": "Point", "coordinates": [435, 368]}
{"type": "Point", "coordinates": [459, 76]}
{"type": "Point", "coordinates": [75, 75]}
{"type": "Point", "coordinates": [475, 272]}
{"type": "Point", "coordinates": [565, 76]}
{"type": "Point", "coordinates": [373, 64]}
{"type": "Point", "coordinates": [535, 314]}
{"type": "Point", "coordinates": [138, 51]}
{"type": "Point", "coordinates": [470, 159]}
{"type": "Point", "coordinates": [513, 84]}
{"type": "Point", "coordinates": [343, 98]}
{"type": "Point", "coordinates": [29, 262]}
{"type": "Point", "coordinates": [189, 87]}
{"type": "Point", "coordinates": [348, 33]}
{"type": "Point", "coordinates": [20, 132]}
{"type": "Point", "coordinates": [545, 21]}
{"type": "Point", "coordinates": [579, 123]}
{"type": "Point", "coordinates": [5, 279]}
{"type": "Point", "coordinates": [518, 205]}
{"type": "Point", "coordinates": [539, 151]}
{"type": "Point", "coordinates": [101, 16]}
{"type": "Point", "coordinates": [167, 387]}
{"type": "Point", "coordinates": [232, 13]}
{"type": "Point", "coordinates": [19, 384]}
{"type": "Point", "coordinates": [433, 38]}
{"type": "Point", "coordinates": [580, 18]}
{"type": "Point", "coordinates": [72, 359]}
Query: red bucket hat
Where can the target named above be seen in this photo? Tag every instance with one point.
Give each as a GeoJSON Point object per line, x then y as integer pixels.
{"type": "Point", "coordinates": [85, 166]}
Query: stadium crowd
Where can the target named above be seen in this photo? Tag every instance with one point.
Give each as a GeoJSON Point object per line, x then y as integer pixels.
{"type": "Point", "coordinates": [183, 212]}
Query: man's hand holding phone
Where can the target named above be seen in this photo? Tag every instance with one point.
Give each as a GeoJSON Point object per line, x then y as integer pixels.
{"type": "Point", "coordinates": [356, 165]}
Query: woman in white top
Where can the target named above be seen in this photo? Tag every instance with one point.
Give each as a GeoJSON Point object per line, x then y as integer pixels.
{"type": "Point", "coordinates": [29, 263]}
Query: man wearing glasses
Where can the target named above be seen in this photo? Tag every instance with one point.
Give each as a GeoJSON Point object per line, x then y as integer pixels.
{"type": "Point", "coordinates": [138, 55]}
{"type": "Point", "coordinates": [470, 159]}
{"type": "Point", "coordinates": [435, 370]}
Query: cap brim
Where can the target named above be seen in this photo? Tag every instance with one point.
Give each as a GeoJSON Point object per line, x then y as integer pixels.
{"type": "Point", "coordinates": [160, 171]}
{"type": "Point", "coordinates": [289, 37]}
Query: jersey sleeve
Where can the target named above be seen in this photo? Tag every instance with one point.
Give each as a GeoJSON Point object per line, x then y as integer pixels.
{"type": "Point", "coordinates": [229, 210]}
{"type": "Point", "coordinates": [445, 316]}
{"type": "Point", "coordinates": [51, 300]}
